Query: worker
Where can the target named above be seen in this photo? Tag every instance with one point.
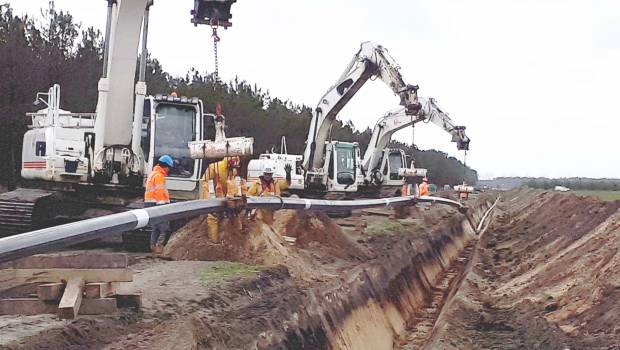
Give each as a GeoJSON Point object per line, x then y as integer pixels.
{"type": "Point", "coordinates": [424, 187]}
{"type": "Point", "coordinates": [156, 193]}
{"type": "Point", "coordinates": [235, 185]}
{"type": "Point", "coordinates": [267, 186]}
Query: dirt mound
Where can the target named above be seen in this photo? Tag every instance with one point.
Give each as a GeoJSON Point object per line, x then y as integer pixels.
{"type": "Point", "coordinates": [318, 240]}
{"type": "Point", "coordinates": [547, 275]}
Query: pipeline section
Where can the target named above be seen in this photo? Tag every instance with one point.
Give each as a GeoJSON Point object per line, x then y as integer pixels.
{"type": "Point", "coordinates": [47, 239]}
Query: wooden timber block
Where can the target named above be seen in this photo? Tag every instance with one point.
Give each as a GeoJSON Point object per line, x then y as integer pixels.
{"type": "Point", "coordinates": [98, 290]}
{"type": "Point", "coordinates": [72, 298]}
{"type": "Point", "coordinates": [102, 306]}
{"type": "Point", "coordinates": [59, 275]}
{"type": "Point", "coordinates": [70, 260]}
{"type": "Point", "coordinates": [50, 291]}
{"type": "Point", "coordinates": [26, 307]}
{"type": "Point", "coordinates": [129, 300]}
{"type": "Point", "coordinates": [33, 306]}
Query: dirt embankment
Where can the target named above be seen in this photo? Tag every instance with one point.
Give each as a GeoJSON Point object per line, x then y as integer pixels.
{"type": "Point", "coordinates": [546, 276]}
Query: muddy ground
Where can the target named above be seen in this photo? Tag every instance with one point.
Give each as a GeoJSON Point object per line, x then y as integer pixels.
{"type": "Point", "coordinates": [543, 275]}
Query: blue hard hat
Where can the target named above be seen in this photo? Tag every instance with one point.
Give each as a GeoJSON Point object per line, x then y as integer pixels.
{"type": "Point", "coordinates": [166, 160]}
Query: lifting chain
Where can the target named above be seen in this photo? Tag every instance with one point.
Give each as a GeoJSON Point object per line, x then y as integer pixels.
{"type": "Point", "coordinates": [464, 165]}
{"type": "Point", "coordinates": [216, 39]}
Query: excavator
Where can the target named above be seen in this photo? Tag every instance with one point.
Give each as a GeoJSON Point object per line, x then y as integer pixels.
{"type": "Point", "coordinates": [330, 168]}
{"type": "Point", "coordinates": [79, 165]}
{"type": "Point", "coordinates": [335, 169]}
{"type": "Point", "coordinates": [384, 168]}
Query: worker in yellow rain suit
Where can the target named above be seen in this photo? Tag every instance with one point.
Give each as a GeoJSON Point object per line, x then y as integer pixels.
{"type": "Point", "coordinates": [217, 172]}
{"type": "Point", "coordinates": [236, 186]}
{"type": "Point", "coordinates": [267, 186]}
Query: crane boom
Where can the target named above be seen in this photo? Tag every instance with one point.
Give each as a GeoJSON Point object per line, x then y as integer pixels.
{"type": "Point", "coordinates": [399, 119]}
{"type": "Point", "coordinates": [371, 60]}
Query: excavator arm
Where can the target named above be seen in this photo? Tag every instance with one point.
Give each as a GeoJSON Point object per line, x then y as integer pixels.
{"type": "Point", "coordinates": [399, 119]}
{"type": "Point", "coordinates": [371, 60]}
{"type": "Point", "coordinates": [431, 112]}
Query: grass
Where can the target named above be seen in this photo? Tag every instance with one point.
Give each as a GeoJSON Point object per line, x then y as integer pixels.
{"type": "Point", "coordinates": [603, 195]}
{"type": "Point", "coordinates": [222, 271]}
{"type": "Point", "coordinates": [389, 227]}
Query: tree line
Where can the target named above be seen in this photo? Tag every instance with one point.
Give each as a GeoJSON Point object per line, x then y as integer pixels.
{"type": "Point", "coordinates": [34, 55]}
{"type": "Point", "coordinates": [575, 183]}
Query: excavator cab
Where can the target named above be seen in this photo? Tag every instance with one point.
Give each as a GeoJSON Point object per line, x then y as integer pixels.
{"type": "Point", "coordinates": [393, 160]}
{"type": "Point", "coordinates": [212, 12]}
{"type": "Point", "coordinates": [344, 166]}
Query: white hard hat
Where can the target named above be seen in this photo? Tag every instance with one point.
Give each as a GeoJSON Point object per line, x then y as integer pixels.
{"type": "Point", "coordinates": [268, 167]}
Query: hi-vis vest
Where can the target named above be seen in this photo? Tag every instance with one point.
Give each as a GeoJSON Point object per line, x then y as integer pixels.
{"type": "Point", "coordinates": [155, 187]}
{"type": "Point", "coordinates": [423, 189]}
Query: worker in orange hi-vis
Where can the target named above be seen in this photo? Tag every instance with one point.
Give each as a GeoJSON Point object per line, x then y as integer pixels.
{"type": "Point", "coordinates": [424, 187]}
{"type": "Point", "coordinates": [156, 193]}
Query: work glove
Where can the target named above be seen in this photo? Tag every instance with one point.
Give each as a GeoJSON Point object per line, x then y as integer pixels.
{"type": "Point", "coordinates": [288, 168]}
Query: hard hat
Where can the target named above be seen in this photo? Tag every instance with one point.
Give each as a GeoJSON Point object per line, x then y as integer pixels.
{"type": "Point", "coordinates": [425, 179]}
{"type": "Point", "coordinates": [166, 160]}
{"type": "Point", "coordinates": [268, 167]}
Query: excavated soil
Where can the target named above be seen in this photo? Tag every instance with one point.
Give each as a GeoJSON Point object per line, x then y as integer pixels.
{"type": "Point", "coordinates": [546, 275]}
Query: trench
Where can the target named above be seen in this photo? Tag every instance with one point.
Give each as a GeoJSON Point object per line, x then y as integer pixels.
{"type": "Point", "coordinates": [387, 304]}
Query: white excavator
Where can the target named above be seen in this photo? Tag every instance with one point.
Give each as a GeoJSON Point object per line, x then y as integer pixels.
{"type": "Point", "coordinates": [385, 168]}
{"type": "Point", "coordinates": [333, 168]}
{"type": "Point", "coordinates": [78, 165]}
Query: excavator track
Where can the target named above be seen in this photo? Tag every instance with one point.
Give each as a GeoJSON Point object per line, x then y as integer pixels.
{"type": "Point", "coordinates": [19, 211]}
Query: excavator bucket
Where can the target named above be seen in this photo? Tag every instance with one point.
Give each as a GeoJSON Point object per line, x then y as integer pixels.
{"type": "Point", "coordinates": [212, 12]}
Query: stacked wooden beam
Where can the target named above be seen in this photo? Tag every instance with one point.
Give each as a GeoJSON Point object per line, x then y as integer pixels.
{"type": "Point", "coordinates": [69, 284]}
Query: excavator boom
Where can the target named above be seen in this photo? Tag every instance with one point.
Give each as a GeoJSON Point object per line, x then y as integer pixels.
{"type": "Point", "coordinates": [371, 60]}
{"type": "Point", "coordinates": [399, 119]}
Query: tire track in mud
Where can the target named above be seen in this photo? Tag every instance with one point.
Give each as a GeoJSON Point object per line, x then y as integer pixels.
{"type": "Point", "coordinates": [421, 330]}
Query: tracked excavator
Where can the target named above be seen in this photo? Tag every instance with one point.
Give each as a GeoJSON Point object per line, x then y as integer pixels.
{"type": "Point", "coordinates": [385, 168]}
{"type": "Point", "coordinates": [332, 169]}
{"type": "Point", "coordinates": [79, 165]}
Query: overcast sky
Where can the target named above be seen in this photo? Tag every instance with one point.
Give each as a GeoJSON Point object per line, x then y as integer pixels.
{"type": "Point", "coordinates": [536, 82]}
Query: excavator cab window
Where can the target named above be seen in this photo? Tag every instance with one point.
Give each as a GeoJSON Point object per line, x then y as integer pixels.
{"type": "Point", "coordinates": [395, 161]}
{"type": "Point", "coordinates": [344, 158]}
{"type": "Point", "coordinates": [175, 126]}
{"type": "Point", "coordinates": [208, 127]}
